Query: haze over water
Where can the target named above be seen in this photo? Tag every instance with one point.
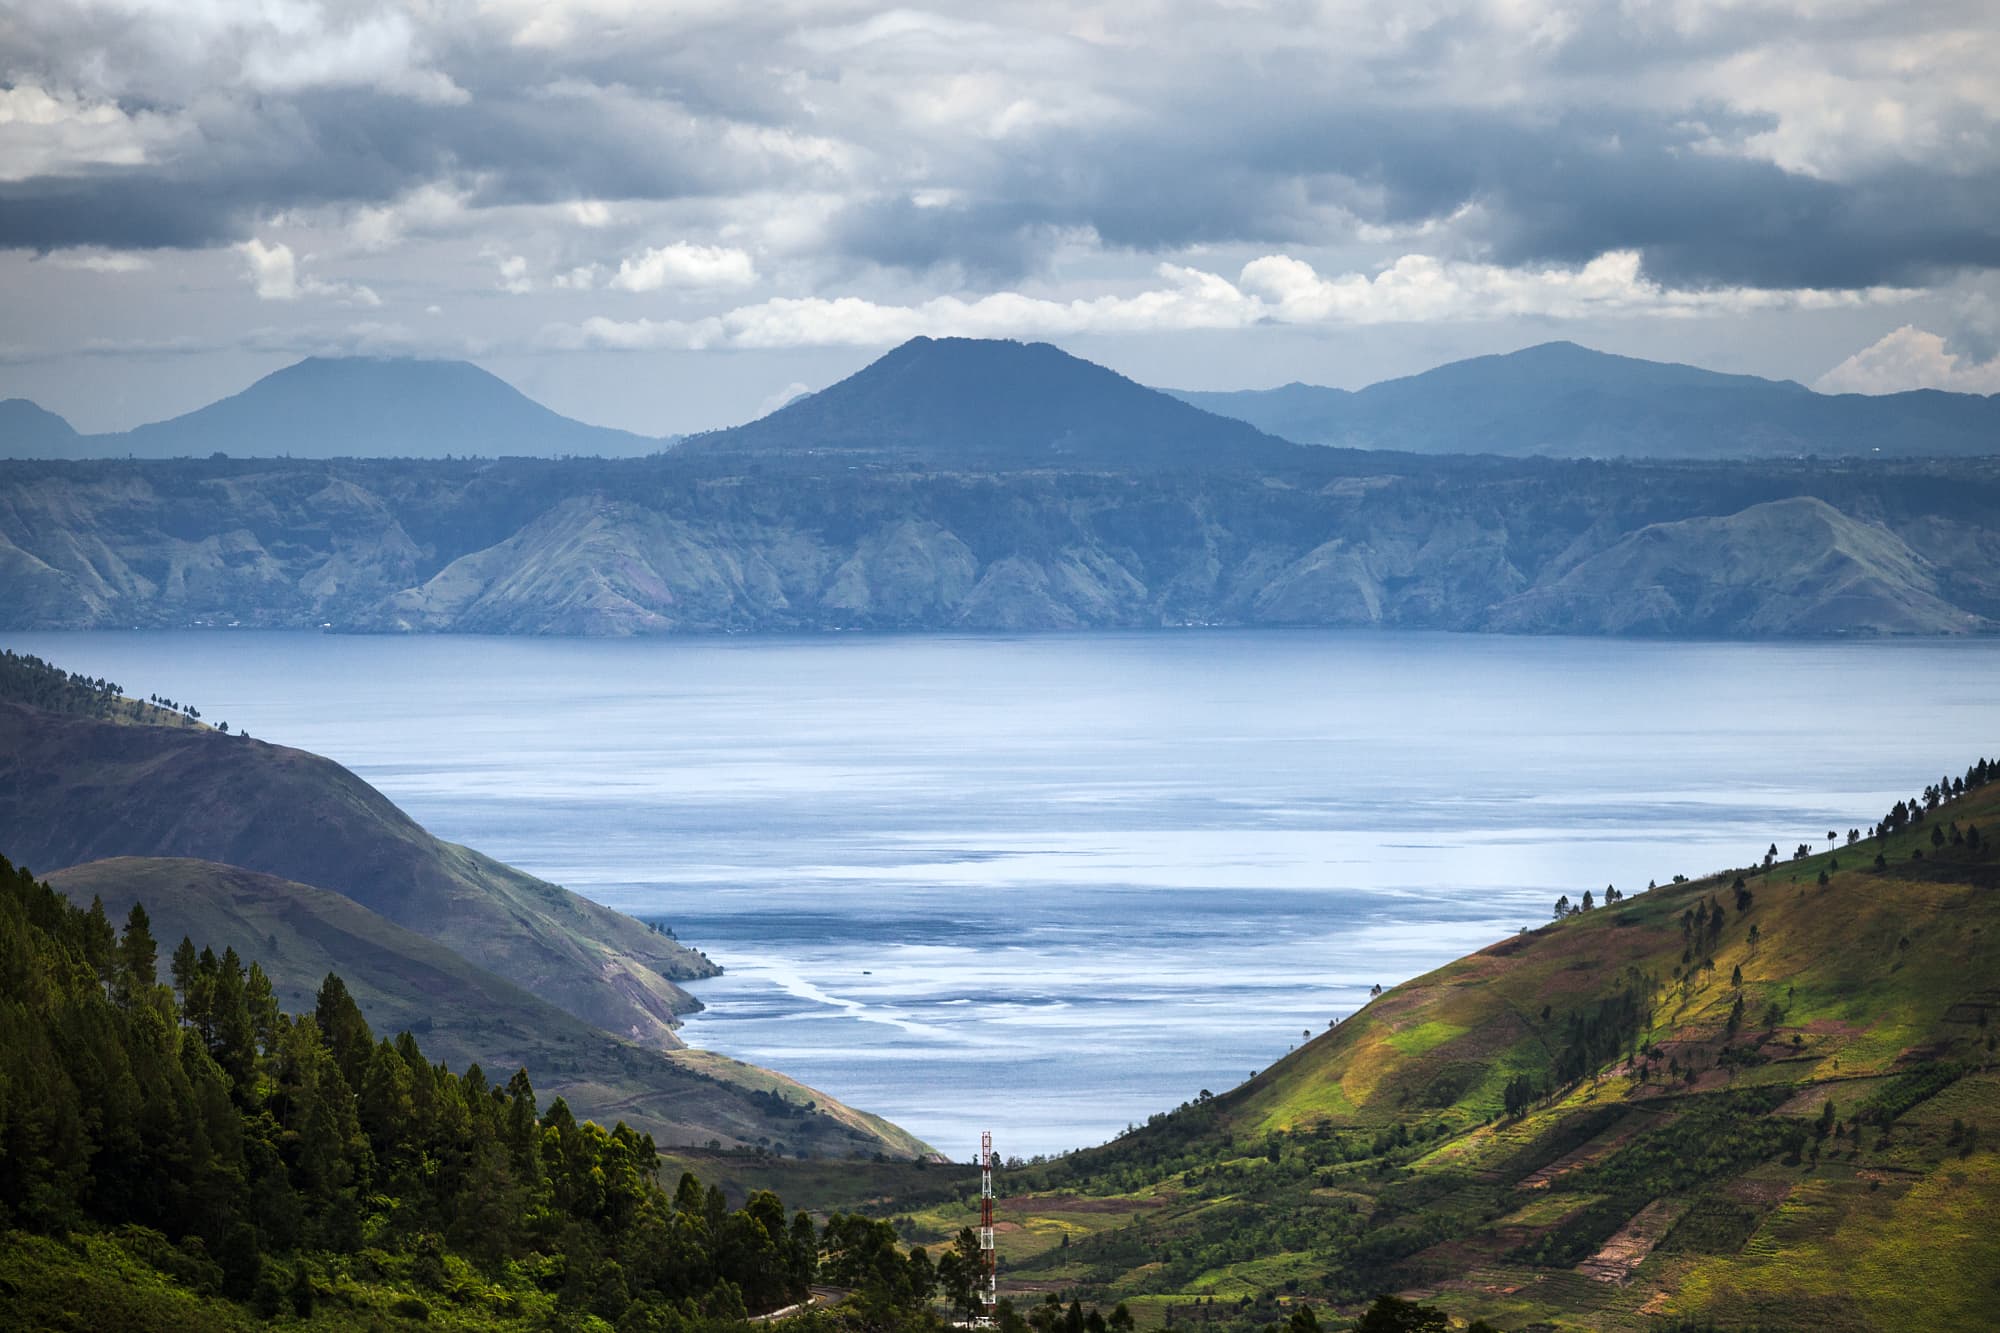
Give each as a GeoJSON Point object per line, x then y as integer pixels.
{"type": "Point", "coordinates": [1051, 885]}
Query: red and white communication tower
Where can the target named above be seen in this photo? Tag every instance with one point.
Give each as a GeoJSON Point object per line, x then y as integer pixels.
{"type": "Point", "coordinates": [989, 1287]}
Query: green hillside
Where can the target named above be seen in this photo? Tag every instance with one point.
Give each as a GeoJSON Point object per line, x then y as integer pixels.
{"type": "Point", "coordinates": [191, 1156]}
{"type": "Point", "coordinates": [27, 679]}
{"type": "Point", "coordinates": [290, 859]}
{"type": "Point", "coordinates": [1619, 1120]}
{"type": "Point", "coordinates": [76, 789]}
{"type": "Point", "coordinates": [467, 1015]}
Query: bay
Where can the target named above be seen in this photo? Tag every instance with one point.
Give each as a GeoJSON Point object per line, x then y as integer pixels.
{"type": "Point", "coordinates": [1051, 885]}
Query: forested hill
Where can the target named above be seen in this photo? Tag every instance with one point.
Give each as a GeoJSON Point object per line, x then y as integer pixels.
{"type": "Point", "coordinates": [470, 1015]}
{"type": "Point", "coordinates": [1763, 1099]}
{"type": "Point", "coordinates": [287, 856]}
{"type": "Point", "coordinates": [75, 789]}
{"type": "Point", "coordinates": [191, 1157]}
{"type": "Point", "coordinates": [27, 679]}
{"type": "Point", "coordinates": [714, 541]}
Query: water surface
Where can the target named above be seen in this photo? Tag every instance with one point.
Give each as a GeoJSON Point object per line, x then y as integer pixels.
{"type": "Point", "coordinates": [1051, 885]}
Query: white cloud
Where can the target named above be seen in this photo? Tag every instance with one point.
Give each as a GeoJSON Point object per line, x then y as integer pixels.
{"type": "Point", "coordinates": [274, 273]}
{"type": "Point", "coordinates": [1910, 358]}
{"type": "Point", "coordinates": [100, 261]}
{"type": "Point", "coordinates": [514, 277]}
{"type": "Point", "coordinates": [1419, 288]}
{"type": "Point", "coordinates": [582, 278]}
{"type": "Point", "coordinates": [45, 133]}
{"type": "Point", "coordinates": [778, 399]}
{"type": "Point", "coordinates": [301, 49]}
{"type": "Point", "coordinates": [171, 50]}
{"type": "Point", "coordinates": [428, 208]}
{"type": "Point", "coordinates": [685, 265]}
{"type": "Point", "coordinates": [1276, 289]}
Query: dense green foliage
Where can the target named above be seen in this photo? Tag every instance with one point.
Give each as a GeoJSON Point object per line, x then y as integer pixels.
{"type": "Point", "coordinates": [237, 1150]}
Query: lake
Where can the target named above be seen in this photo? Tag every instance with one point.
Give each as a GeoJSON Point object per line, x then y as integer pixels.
{"type": "Point", "coordinates": [1051, 885]}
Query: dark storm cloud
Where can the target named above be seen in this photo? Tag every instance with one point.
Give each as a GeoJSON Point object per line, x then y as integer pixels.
{"type": "Point", "coordinates": [353, 147]}
{"type": "Point", "coordinates": [1258, 143]}
{"type": "Point", "coordinates": [1559, 190]}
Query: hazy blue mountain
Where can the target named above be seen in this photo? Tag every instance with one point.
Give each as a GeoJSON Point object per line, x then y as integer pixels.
{"type": "Point", "coordinates": [957, 402]}
{"type": "Point", "coordinates": [372, 407]}
{"type": "Point", "coordinates": [31, 431]}
{"type": "Point", "coordinates": [1562, 400]}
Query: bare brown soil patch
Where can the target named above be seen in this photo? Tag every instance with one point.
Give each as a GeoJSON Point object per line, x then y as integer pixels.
{"type": "Point", "coordinates": [1635, 1240]}
{"type": "Point", "coordinates": [1834, 1027]}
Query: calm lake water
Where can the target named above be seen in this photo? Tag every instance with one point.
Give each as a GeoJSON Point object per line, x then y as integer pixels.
{"type": "Point", "coordinates": [1051, 885]}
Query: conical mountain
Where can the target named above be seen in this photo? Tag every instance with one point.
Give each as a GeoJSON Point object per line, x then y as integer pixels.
{"type": "Point", "coordinates": [28, 430]}
{"type": "Point", "coordinates": [375, 407]}
{"type": "Point", "coordinates": [982, 403]}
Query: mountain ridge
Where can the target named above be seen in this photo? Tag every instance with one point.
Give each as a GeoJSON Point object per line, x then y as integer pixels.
{"type": "Point", "coordinates": [959, 402]}
{"type": "Point", "coordinates": [74, 790]}
{"type": "Point", "coordinates": [694, 543]}
{"type": "Point", "coordinates": [347, 406]}
{"type": "Point", "coordinates": [1560, 399]}
{"type": "Point", "coordinates": [29, 430]}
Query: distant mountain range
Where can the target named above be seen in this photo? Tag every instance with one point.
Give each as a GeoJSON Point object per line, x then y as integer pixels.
{"type": "Point", "coordinates": [957, 484]}
{"type": "Point", "coordinates": [958, 403]}
{"type": "Point", "coordinates": [341, 407]}
{"type": "Point", "coordinates": [1560, 400]}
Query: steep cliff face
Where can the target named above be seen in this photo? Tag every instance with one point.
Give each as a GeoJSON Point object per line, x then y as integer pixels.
{"type": "Point", "coordinates": [1790, 567]}
{"type": "Point", "coordinates": [685, 545]}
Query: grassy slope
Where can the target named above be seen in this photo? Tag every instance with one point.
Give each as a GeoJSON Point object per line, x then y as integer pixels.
{"type": "Point", "coordinates": [27, 679]}
{"type": "Point", "coordinates": [462, 1013]}
{"type": "Point", "coordinates": [77, 789]}
{"type": "Point", "coordinates": [1877, 976]}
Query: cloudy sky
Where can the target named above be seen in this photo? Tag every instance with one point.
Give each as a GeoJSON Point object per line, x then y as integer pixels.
{"type": "Point", "coordinates": [669, 214]}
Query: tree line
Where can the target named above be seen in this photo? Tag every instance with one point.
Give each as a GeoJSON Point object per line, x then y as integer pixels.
{"type": "Point", "coordinates": [27, 679]}
{"type": "Point", "coordinates": [251, 1147]}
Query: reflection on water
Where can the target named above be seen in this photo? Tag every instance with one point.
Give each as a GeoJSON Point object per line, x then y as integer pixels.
{"type": "Point", "coordinates": [1051, 885]}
